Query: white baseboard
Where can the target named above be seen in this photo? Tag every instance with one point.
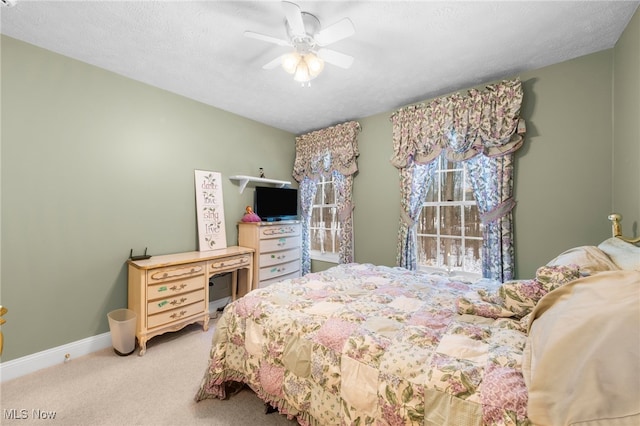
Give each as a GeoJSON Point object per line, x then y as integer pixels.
{"type": "Point", "coordinates": [48, 358]}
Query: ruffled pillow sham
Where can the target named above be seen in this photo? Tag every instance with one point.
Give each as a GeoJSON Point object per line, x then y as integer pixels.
{"type": "Point", "coordinates": [552, 277]}
{"type": "Point", "coordinates": [521, 296]}
{"type": "Point", "coordinates": [517, 298]}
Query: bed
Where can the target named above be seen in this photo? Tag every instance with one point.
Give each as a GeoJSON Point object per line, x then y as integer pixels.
{"type": "Point", "coordinates": [362, 344]}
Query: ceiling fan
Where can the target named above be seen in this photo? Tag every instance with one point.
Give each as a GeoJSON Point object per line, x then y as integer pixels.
{"type": "Point", "coordinates": [308, 41]}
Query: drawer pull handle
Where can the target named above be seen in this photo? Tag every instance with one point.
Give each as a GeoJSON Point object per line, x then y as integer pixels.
{"type": "Point", "coordinates": [230, 263]}
{"type": "Point", "coordinates": [279, 230]}
{"type": "Point", "coordinates": [176, 273]}
{"type": "Point", "coordinates": [178, 315]}
{"type": "Point", "coordinates": [175, 302]}
{"type": "Point", "coordinates": [278, 269]}
{"type": "Point", "coordinates": [178, 288]}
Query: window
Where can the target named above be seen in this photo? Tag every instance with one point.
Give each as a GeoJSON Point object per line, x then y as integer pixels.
{"type": "Point", "coordinates": [449, 231]}
{"type": "Point", "coordinates": [325, 227]}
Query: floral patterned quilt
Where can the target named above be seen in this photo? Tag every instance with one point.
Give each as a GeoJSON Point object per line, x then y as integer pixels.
{"type": "Point", "coordinates": [360, 344]}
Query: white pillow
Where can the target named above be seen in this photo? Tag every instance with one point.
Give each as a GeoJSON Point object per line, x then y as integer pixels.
{"type": "Point", "coordinates": [623, 254]}
{"type": "Point", "coordinates": [590, 260]}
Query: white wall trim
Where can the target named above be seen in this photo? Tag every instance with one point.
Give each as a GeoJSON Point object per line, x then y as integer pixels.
{"type": "Point", "coordinates": [48, 358]}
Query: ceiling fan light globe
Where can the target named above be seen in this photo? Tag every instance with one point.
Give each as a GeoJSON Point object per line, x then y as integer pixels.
{"type": "Point", "coordinates": [290, 62]}
{"type": "Point", "coordinates": [302, 74]}
{"type": "Point", "coordinates": [315, 64]}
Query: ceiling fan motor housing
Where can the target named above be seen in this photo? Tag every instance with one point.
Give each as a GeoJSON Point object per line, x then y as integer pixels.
{"type": "Point", "coordinates": [304, 43]}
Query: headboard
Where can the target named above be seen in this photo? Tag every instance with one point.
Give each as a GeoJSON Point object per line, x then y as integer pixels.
{"type": "Point", "coordinates": [616, 230]}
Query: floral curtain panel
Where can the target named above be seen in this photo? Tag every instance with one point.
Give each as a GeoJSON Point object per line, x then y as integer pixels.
{"type": "Point", "coordinates": [414, 184]}
{"type": "Point", "coordinates": [482, 124]}
{"type": "Point", "coordinates": [307, 193]}
{"type": "Point", "coordinates": [330, 152]}
{"type": "Point", "coordinates": [492, 182]}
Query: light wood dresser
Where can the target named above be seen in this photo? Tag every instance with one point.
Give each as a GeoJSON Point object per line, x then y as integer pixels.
{"type": "Point", "coordinates": [171, 291]}
{"type": "Point", "coordinates": [277, 248]}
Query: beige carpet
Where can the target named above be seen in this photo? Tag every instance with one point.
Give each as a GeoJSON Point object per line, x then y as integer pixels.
{"type": "Point", "coordinates": [155, 389]}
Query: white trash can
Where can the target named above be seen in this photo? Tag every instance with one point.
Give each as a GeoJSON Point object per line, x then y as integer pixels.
{"type": "Point", "coordinates": [122, 324]}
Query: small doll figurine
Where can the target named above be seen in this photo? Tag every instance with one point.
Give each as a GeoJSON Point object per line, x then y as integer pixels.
{"type": "Point", "coordinates": [250, 216]}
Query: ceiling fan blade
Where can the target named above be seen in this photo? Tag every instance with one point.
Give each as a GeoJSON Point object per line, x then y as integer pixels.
{"type": "Point", "coordinates": [335, 58]}
{"type": "Point", "coordinates": [273, 64]}
{"type": "Point", "coordinates": [294, 17]}
{"type": "Point", "coordinates": [340, 30]}
{"type": "Point", "coordinates": [267, 38]}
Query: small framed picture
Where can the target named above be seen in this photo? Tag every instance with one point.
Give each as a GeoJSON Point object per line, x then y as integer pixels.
{"type": "Point", "coordinates": [210, 211]}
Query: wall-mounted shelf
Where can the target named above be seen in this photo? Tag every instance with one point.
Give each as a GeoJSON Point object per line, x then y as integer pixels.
{"type": "Point", "coordinates": [244, 180]}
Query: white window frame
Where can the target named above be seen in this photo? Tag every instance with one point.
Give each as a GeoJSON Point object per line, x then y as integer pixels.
{"type": "Point", "coordinates": [445, 269]}
{"type": "Point", "coordinates": [334, 227]}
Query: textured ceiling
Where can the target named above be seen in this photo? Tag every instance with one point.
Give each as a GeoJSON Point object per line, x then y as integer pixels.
{"type": "Point", "coordinates": [404, 52]}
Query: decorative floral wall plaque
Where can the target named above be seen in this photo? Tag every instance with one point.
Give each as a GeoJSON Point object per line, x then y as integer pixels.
{"type": "Point", "coordinates": [210, 211]}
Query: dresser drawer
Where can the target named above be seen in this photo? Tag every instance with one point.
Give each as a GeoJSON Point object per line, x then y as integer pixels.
{"type": "Point", "coordinates": [172, 288]}
{"type": "Point", "coordinates": [273, 258]}
{"type": "Point", "coordinates": [281, 243]}
{"type": "Point", "coordinates": [177, 301]}
{"type": "Point", "coordinates": [279, 231]}
{"type": "Point", "coordinates": [266, 283]}
{"type": "Point", "coordinates": [217, 266]}
{"type": "Point", "coordinates": [176, 314]}
{"type": "Point", "coordinates": [273, 271]}
{"type": "Point", "coordinates": [174, 272]}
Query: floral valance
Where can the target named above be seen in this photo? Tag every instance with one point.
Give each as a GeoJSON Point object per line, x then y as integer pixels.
{"type": "Point", "coordinates": [323, 151]}
{"type": "Point", "coordinates": [482, 122]}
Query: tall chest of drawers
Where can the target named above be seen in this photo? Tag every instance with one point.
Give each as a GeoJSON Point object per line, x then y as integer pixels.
{"type": "Point", "coordinates": [278, 250]}
{"type": "Point", "coordinates": [171, 291]}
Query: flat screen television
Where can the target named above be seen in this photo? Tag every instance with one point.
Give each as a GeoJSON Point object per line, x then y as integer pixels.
{"type": "Point", "coordinates": [274, 204]}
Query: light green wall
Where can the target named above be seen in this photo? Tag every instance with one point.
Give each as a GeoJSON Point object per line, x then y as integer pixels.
{"type": "Point", "coordinates": [626, 119]}
{"type": "Point", "coordinates": [563, 175]}
{"type": "Point", "coordinates": [93, 165]}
